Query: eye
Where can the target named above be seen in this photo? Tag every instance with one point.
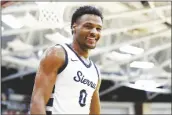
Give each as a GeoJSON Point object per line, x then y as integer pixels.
{"type": "Point", "coordinates": [99, 29]}
{"type": "Point", "coordinates": [88, 26]}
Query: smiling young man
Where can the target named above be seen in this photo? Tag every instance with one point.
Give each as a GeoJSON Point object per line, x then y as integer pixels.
{"type": "Point", "coordinates": [67, 81]}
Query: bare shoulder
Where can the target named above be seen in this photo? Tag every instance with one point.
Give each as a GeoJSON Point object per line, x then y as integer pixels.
{"type": "Point", "coordinates": [54, 56]}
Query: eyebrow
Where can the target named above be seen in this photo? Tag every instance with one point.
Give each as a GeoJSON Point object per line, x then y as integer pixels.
{"type": "Point", "coordinates": [92, 24]}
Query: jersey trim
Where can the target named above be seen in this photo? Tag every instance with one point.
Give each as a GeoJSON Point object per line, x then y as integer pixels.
{"type": "Point", "coordinates": [97, 71]}
{"type": "Point", "coordinates": [48, 113]}
{"type": "Point", "coordinates": [87, 65]}
{"type": "Point", "coordinates": [53, 89]}
{"type": "Point", "coordinates": [66, 60]}
{"type": "Point", "coordinates": [50, 102]}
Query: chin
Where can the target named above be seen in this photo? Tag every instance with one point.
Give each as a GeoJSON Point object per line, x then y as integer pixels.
{"type": "Point", "coordinates": [91, 46]}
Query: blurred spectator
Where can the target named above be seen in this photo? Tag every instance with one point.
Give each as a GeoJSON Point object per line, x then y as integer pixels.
{"type": "Point", "coordinates": [9, 91]}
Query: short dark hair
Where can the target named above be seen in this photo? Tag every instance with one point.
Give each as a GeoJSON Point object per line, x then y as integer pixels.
{"type": "Point", "coordinates": [85, 10]}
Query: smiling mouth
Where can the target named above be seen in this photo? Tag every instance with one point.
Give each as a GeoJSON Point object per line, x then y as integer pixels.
{"type": "Point", "coordinates": [91, 40]}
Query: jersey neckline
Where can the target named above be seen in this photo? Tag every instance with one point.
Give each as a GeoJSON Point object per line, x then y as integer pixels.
{"type": "Point", "coordinates": [87, 65]}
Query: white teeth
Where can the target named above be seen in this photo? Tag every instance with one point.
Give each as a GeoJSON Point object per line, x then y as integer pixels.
{"type": "Point", "coordinates": [91, 38]}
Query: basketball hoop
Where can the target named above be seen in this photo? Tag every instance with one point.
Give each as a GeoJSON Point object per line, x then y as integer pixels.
{"type": "Point", "coordinates": [51, 13]}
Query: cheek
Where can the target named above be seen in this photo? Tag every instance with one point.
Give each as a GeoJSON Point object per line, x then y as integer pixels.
{"type": "Point", "coordinates": [98, 37]}
{"type": "Point", "coordinates": [83, 33]}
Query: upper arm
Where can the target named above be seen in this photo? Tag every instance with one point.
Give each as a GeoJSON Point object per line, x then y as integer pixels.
{"type": "Point", "coordinates": [98, 85]}
{"type": "Point", "coordinates": [96, 92]}
{"type": "Point", "coordinates": [99, 80]}
{"type": "Point", "coordinates": [46, 74]}
{"type": "Point", "coordinates": [95, 101]}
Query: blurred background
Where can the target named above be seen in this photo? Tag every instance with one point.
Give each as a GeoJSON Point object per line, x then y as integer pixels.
{"type": "Point", "coordinates": [134, 53]}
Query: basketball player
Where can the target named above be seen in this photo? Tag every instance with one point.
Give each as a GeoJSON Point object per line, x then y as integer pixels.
{"type": "Point", "coordinates": [67, 81]}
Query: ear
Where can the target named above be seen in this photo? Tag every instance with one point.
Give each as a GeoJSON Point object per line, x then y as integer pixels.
{"type": "Point", "coordinates": [74, 28]}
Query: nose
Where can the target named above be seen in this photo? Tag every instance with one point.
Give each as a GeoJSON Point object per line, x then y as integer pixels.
{"type": "Point", "coordinates": [93, 31]}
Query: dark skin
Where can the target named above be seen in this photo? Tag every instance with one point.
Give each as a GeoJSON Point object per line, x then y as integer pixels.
{"type": "Point", "coordinates": [87, 31]}
{"type": "Point", "coordinates": [86, 28]}
{"type": "Point", "coordinates": [45, 79]}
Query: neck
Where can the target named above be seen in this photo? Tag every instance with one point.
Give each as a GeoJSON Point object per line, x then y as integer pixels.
{"type": "Point", "coordinates": [79, 49]}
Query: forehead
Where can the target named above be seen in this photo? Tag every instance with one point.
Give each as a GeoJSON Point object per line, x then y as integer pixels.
{"type": "Point", "coordinates": [90, 18]}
